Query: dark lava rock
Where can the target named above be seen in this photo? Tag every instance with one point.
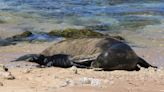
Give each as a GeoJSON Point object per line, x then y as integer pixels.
{"type": "Point", "coordinates": [6, 42]}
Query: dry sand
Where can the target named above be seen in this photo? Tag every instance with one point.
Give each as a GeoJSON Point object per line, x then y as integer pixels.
{"type": "Point", "coordinates": [31, 79]}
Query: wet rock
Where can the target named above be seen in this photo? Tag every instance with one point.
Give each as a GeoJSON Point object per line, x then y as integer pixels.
{"type": "Point", "coordinates": [20, 37]}
{"type": "Point", "coordinates": [100, 27]}
{"type": "Point", "coordinates": [4, 42]}
{"type": "Point", "coordinates": [32, 37]}
{"type": "Point", "coordinates": [75, 33]}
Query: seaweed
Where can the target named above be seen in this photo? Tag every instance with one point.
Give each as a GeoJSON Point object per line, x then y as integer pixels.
{"type": "Point", "coordinates": [75, 33]}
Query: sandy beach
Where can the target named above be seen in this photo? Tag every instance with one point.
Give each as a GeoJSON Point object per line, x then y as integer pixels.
{"type": "Point", "coordinates": [28, 78]}
{"type": "Point", "coordinates": [141, 23]}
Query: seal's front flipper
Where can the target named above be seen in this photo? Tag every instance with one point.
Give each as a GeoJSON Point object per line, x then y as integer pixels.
{"type": "Point", "coordinates": [28, 57]}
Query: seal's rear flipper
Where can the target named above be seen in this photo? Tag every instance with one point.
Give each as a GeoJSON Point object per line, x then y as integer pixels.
{"type": "Point", "coordinates": [144, 64]}
{"type": "Point", "coordinates": [27, 57]}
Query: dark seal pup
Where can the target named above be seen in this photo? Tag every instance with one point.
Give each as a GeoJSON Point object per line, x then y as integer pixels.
{"type": "Point", "coordinates": [58, 60]}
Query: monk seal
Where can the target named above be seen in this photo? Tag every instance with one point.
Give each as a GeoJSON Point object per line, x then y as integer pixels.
{"type": "Point", "coordinates": [57, 60]}
{"type": "Point", "coordinates": [112, 54]}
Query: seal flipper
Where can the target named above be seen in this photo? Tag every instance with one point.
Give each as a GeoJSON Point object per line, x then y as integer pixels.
{"type": "Point", "coordinates": [144, 64]}
{"type": "Point", "coordinates": [86, 63]}
{"type": "Point", "coordinates": [28, 57]}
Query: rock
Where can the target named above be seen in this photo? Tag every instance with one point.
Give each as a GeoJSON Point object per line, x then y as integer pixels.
{"type": "Point", "coordinates": [95, 82]}
{"type": "Point", "coordinates": [100, 27]}
{"type": "Point", "coordinates": [4, 42]}
{"type": "Point", "coordinates": [26, 71]}
{"type": "Point", "coordinates": [74, 69]}
{"type": "Point", "coordinates": [75, 33]}
{"type": "Point", "coordinates": [20, 37]}
{"type": "Point", "coordinates": [85, 80]}
{"type": "Point", "coordinates": [91, 81]}
{"type": "Point", "coordinates": [66, 83]}
{"type": "Point", "coordinates": [1, 84]}
{"type": "Point", "coordinates": [3, 68]}
{"type": "Point", "coordinates": [6, 75]}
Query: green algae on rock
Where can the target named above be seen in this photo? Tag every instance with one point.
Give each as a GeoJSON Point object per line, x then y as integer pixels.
{"type": "Point", "coordinates": [19, 37]}
{"type": "Point", "coordinates": [75, 33]}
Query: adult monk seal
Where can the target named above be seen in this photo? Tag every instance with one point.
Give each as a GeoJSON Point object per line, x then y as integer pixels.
{"type": "Point", "coordinates": [106, 53]}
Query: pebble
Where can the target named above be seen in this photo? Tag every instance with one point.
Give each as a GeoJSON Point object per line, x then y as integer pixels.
{"type": "Point", "coordinates": [3, 68]}
{"type": "Point", "coordinates": [85, 80]}
{"type": "Point", "coordinates": [66, 83]}
{"type": "Point", "coordinates": [7, 75]}
{"type": "Point", "coordinates": [74, 69]}
{"type": "Point", "coordinates": [26, 71]}
{"type": "Point", "coordinates": [1, 84]}
{"type": "Point", "coordinates": [91, 81]}
{"type": "Point", "coordinates": [56, 77]}
{"type": "Point", "coordinates": [95, 82]}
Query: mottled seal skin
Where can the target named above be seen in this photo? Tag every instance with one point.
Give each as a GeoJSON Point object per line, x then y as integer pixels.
{"type": "Point", "coordinates": [57, 60]}
{"type": "Point", "coordinates": [119, 56]}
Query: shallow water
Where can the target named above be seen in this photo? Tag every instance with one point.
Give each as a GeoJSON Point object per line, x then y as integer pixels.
{"type": "Point", "coordinates": [116, 14]}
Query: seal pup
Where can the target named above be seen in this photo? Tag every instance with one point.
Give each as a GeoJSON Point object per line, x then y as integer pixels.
{"type": "Point", "coordinates": [57, 60]}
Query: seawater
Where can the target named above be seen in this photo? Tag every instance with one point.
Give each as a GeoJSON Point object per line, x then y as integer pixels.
{"type": "Point", "coordinates": [110, 14]}
{"type": "Point", "coordinates": [134, 18]}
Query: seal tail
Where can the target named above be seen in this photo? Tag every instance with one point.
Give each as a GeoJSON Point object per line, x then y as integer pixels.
{"type": "Point", "coordinates": [144, 64]}
{"type": "Point", "coordinates": [27, 57]}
